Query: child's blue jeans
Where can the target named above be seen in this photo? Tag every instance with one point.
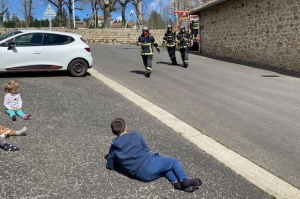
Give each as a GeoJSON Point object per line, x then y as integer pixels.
{"type": "Point", "coordinates": [159, 166]}
{"type": "Point", "coordinates": [14, 112]}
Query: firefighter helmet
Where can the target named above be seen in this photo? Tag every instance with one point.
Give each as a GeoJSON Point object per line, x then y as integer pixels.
{"type": "Point", "coordinates": [182, 28]}
{"type": "Point", "coordinates": [145, 28]}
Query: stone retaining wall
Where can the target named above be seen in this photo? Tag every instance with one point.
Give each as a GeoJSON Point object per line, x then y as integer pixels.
{"type": "Point", "coordinates": [118, 35]}
{"type": "Point", "coordinates": [256, 31]}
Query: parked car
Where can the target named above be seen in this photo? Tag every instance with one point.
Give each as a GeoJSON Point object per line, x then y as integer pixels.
{"type": "Point", "coordinates": [43, 50]}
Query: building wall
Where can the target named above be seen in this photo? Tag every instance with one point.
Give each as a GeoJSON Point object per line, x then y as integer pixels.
{"type": "Point", "coordinates": [265, 32]}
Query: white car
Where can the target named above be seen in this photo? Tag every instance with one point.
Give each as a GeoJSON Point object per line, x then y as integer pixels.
{"type": "Point", "coordinates": [43, 50]}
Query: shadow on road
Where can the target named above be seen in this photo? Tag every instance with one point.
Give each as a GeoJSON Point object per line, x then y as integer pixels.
{"type": "Point", "coordinates": [37, 74]}
{"type": "Point", "coordinates": [253, 65]}
{"type": "Point", "coordinates": [139, 72]}
{"type": "Point", "coordinates": [270, 76]}
{"type": "Point", "coordinates": [168, 63]}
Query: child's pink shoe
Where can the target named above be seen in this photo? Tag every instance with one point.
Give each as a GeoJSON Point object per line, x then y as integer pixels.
{"type": "Point", "coordinates": [26, 117]}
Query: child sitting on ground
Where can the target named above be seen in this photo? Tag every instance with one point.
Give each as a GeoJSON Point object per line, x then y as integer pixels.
{"type": "Point", "coordinates": [130, 152]}
{"type": "Point", "coordinates": [13, 101]}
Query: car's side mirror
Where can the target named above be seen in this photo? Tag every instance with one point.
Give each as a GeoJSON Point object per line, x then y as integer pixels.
{"type": "Point", "coordinates": [11, 45]}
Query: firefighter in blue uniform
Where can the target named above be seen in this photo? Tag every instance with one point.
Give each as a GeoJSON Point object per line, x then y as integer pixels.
{"type": "Point", "coordinates": [195, 28]}
{"type": "Point", "coordinates": [147, 41]}
{"type": "Point", "coordinates": [170, 41]}
{"type": "Point", "coordinates": [183, 38]}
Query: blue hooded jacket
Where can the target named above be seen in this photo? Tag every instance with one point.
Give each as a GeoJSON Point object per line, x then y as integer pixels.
{"type": "Point", "coordinates": [129, 151]}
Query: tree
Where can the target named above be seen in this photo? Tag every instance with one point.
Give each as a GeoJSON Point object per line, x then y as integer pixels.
{"type": "Point", "coordinates": [166, 14]}
{"type": "Point", "coordinates": [61, 19]}
{"type": "Point", "coordinates": [186, 4]}
{"type": "Point", "coordinates": [138, 8]}
{"type": "Point", "coordinates": [11, 22]}
{"type": "Point", "coordinates": [155, 21]}
{"type": "Point", "coordinates": [95, 7]}
{"type": "Point", "coordinates": [69, 5]}
{"type": "Point", "coordinates": [27, 11]}
{"type": "Point", "coordinates": [123, 4]}
{"type": "Point", "coordinates": [59, 13]}
{"type": "Point", "coordinates": [4, 8]}
{"type": "Point", "coordinates": [107, 6]}
{"type": "Point", "coordinates": [59, 4]}
{"type": "Point", "coordinates": [7, 16]}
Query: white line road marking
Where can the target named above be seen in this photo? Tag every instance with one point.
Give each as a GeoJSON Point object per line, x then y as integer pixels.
{"type": "Point", "coordinates": [252, 172]}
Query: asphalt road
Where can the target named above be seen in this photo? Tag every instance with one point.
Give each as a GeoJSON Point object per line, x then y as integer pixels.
{"type": "Point", "coordinates": [252, 111]}
{"type": "Point", "coordinates": [69, 134]}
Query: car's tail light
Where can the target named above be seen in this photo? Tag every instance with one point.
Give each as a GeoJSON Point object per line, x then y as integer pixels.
{"type": "Point", "coordinates": [88, 49]}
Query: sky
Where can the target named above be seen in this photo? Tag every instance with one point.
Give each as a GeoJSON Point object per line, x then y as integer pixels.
{"type": "Point", "coordinates": [39, 11]}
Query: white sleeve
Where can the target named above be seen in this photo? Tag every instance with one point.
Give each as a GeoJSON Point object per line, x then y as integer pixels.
{"type": "Point", "coordinates": [20, 101]}
{"type": "Point", "coordinates": [6, 102]}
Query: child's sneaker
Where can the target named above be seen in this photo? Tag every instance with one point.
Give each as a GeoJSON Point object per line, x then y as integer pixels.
{"type": "Point", "coordinates": [190, 189]}
{"type": "Point", "coordinates": [177, 185]}
{"type": "Point", "coordinates": [26, 117]}
{"type": "Point", "coordinates": [14, 118]}
{"type": "Point", "coordinates": [9, 147]}
{"type": "Point", "coordinates": [191, 182]}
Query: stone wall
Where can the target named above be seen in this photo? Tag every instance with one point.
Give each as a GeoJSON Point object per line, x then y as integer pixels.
{"type": "Point", "coordinates": [118, 35]}
{"type": "Point", "coordinates": [266, 32]}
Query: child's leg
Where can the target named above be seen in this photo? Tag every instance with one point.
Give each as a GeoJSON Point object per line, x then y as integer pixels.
{"type": "Point", "coordinates": [3, 129]}
{"type": "Point", "coordinates": [11, 113]}
{"type": "Point", "coordinates": [6, 146]}
{"type": "Point", "coordinates": [2, 141]}
{"type": "Point", "coordinates": [20, 132]}
{"type": "Point", "coordinates": [159, 166]}
{"type": "Point", "coordinates": [4, 132]}
{"type": "Point", "coordinates": [174, 169]}
{"type": "Point", "coordinates": [20, 113]}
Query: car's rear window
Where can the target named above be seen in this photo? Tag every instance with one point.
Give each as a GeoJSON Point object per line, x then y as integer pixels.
{"type": "Point", "coordinates": [9, 34]}
{"type": "Point", "coordinates": [57, 39]}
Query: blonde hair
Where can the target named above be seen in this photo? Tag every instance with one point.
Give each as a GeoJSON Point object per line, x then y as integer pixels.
{"type": "Point", "coordinates": [11, 87]}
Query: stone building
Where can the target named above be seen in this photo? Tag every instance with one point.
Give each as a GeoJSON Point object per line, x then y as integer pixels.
{"type": "Point", "coordinates": [265, 32]}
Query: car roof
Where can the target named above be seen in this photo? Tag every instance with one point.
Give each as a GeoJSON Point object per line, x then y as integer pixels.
{"type": "Point", "coordinates": [48, 31]}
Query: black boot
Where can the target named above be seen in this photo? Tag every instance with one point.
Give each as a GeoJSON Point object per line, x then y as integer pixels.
{"type": "Point", "coordinates": [174, 62]}
{"type": "Point", "coordinates": [148, 73]}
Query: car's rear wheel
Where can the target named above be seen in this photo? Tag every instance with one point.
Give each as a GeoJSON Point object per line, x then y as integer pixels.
{"type": "Point", "coordinates": [77, 67]}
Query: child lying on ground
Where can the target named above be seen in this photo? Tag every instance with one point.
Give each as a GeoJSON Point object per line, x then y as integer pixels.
{"type": "Point", "coordinates": [6, 146]}
{"type": "Point", "coordinates": [130, 152]}
{"type": "Point", "coordinates": [4, 131]}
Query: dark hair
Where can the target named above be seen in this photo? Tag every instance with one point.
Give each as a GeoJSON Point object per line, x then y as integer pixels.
{"type": "Point", "coordinates": [118, 126]}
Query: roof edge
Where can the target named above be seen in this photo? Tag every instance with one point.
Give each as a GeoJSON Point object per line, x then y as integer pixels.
{"type": "Point", "coordinates": [207, 5]}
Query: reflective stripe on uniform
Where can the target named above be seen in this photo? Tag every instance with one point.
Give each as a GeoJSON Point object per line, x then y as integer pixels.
{"type": "Point", "coordinates": [150, 49]}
